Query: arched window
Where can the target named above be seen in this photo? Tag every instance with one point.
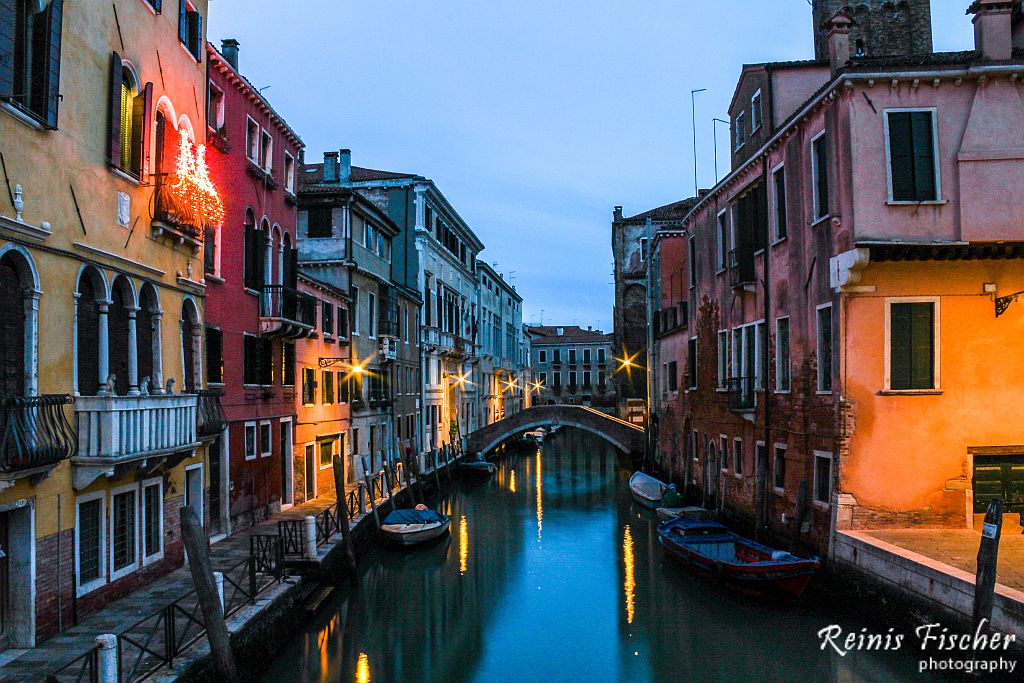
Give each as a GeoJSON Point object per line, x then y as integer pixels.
{"type": "Point", "coordinates": [254, 252]}
{"type": "Point", "coordinates": [191, 340]}
{"type": "Point", "coordinates": [277, 277]}
{"type": "Point", "coordinates": [91, 299]}
{"type": "Point", "coordinates": [12, 329]}
{"type": "Point", "coordinates": [147, 338]}
{"type": "Point", "coordinates": [268, 254]}
{"type": "Point", "coordinates": [122, 301]}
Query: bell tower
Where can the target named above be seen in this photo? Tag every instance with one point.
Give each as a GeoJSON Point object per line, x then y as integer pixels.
{"type": "Point", "coordinates": [881, 28]}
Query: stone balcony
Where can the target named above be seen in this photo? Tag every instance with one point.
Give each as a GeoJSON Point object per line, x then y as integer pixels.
{"type": "Point", "coordinates": [119, 433]}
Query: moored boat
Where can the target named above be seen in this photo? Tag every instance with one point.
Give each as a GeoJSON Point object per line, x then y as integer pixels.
{"type": "Point", "coordinates": [480, 468]}
{"type": "Point", "coordinates": [409, 527]}
{"type": "Point", "coordinates": [713, 550]}
{"type": "Point", "coordinates": [647, 490]}
{"type": "Point", "coordinates": [691, 512]}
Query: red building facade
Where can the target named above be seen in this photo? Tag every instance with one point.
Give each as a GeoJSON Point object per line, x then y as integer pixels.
{"type": "Point", "coordinates": [254, 310]}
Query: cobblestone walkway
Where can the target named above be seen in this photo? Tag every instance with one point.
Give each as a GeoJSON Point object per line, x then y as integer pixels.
{"type": "Point", "coordinates": [34, 664]}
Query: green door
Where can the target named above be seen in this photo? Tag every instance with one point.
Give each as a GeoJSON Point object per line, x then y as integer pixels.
{"type": "Point", "coordinates": [999, 477]}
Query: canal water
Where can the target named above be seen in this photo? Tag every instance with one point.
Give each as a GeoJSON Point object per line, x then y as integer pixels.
{"type": "Point", "coordinates": [551, 573]}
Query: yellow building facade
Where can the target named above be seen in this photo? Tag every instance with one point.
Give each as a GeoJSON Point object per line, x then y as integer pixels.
{"type": "Point", "coordinates": [104, 425]}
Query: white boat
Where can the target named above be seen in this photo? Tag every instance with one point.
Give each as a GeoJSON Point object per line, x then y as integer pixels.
{"type": "Point", "coordinates": [537, 435]}
{"type": "Point", "coordinates": [409, 527]}
{"type": "Point", "coordinates": [647, 490]}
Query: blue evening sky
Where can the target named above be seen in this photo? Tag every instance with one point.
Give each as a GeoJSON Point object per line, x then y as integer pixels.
{"type": "Point", "coordinates": [533, 117]}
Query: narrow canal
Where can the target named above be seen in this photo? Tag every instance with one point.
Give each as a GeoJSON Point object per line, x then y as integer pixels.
{"type": "Point", "coordinates": [551, 573]}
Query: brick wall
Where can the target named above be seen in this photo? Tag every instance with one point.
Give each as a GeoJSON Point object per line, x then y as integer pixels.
{"type": "Point", "coordinates": [885, 27]}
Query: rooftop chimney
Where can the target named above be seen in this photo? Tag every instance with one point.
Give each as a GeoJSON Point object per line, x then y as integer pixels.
{"type": "Point", "coordinates": [229, 48]}
{"type": "Point", "coordinates": [993, 28]}
{"type": "Point", "coordinates": [330, 167]}
{"type": "Point", "coordinates": [617, 213]}
{"type": "Point", "coordinates": [839, 40]}
{"type": "Point", "coordinates": [345, 169]}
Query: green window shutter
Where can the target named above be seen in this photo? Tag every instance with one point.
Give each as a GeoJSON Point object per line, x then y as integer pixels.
{"type": "Point", "coordinates": [183, 22]}
{"type": "Point", "coordinates": [900, 346]}
{"type": "Point", "coordinates": [55, 16]}
{"type": "Point", "coordinates": [821, 156]}
{"type": "Point", "coordinates": [6, 48]}
{"type": "Point", "coordinates": [922, 346]}
{"type": "Point", "coordinates": [114, 127]}
{"type": "Point", "coordinates": [901, 157]}
{"type": "Point", "coordinates": [924, 156]}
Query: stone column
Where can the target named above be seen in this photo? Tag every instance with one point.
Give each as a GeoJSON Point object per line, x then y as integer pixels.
{"type": "Point", "coordinates": [158, 356]}
{"type": "Point", "coordinates": [32, 347]}
{"type": "Point", "coordinates": [104, 347]}
{"type": "Point", "coordinates": [133, 352]}
{"type": "Point", "coordinates": [107, 659]}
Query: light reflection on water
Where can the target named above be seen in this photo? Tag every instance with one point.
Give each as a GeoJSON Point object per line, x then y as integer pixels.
{"type": "Point", "coordinates": [598, 600]}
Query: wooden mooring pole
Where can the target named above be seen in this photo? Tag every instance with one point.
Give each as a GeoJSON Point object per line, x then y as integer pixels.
{"type": "Point", "coordinates": [369, 488]}
{"type": "Point", "coordinates": [209, 598]}
{"type": "Point", "coordinates": [346, 530]}
{"type": "Point", "coordinates": [988, 556]}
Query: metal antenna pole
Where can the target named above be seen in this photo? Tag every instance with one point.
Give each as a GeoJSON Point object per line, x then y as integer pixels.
{"type": "Point", "coordinates": [693, 120]}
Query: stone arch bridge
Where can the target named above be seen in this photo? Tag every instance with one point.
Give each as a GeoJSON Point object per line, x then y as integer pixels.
{"type": "Point", "coordinates": [627, 437]}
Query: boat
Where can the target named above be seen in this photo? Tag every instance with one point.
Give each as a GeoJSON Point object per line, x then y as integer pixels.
{"type": "Point", "coordinates": [713, 550]}
{"type": "Point", "coordinates": [477, 467]}
{"type": "Point", "coordinates": [647, 490]}
{"type": "Point", "coordinates": [409, 527]}
{"type": "Point", "coordinates": [691, 512]}
{"type": "Point", "coordinates": [537, 435]}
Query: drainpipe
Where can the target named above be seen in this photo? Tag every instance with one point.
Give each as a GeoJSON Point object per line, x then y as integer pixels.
{"type": "Point", "coordinates": [765, 369]}
{"type": "Point", "coordinates": [650, 360]}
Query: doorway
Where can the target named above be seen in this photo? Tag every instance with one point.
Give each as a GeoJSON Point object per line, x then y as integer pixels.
{"type": "Point", "coordinates": [216, 458]}
{"type": "Point", "coordinates": [194, 491]}
{"type": "Point", "coordinates": [999, 476]}
{"type": "Point", "coordinates": [287, 464]}
{"type": "Point", "coordinates": [310, 468]}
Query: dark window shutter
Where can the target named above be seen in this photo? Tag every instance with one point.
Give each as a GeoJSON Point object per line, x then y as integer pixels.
{"type": "Point", "coordinates": [114, 129]}
{"type": "Point", "coordinates": [214, 355]}
{"type": "Point", "coordinates": [250, 257]}
{"type": "Point", "coordinates": [901, 346]}
{"type": "Point", "coordinates": [924, 156]}
{"type": "Point", "coordinates": [147, 124]}
{"type": "Point", "coordinates": [6, 48]}
{"type": "Point", "coordinates": [291, 269]}
{"type": "Point", "coordinates": [922, 350]}
{"type": "Point", "coordinates": [157, 5]}
{"type": "Point", "coordinates": [195, 34]}
{"type": "Point", "coordinates": [55, 15]}
{"type": "Point", "coordinates": [821, 153]}
{"type": "Point", "coordinates": [260, 257]}
{"type": "Point", "coordinates": [781, 213]}
{"type": "Point", "coordinates": [12, 333]}
{"type": "Point", "coordinates": [901, 156]}
{"type": "Point", "coordinates": [183, 21]}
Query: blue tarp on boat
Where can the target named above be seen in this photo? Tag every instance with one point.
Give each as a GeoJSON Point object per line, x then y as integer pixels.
{"type": "Point", "coordinates": [413, 517]}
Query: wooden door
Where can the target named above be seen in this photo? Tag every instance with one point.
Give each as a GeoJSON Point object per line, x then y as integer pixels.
{"type": "Point", "coordinates": [999, 477]}
{"type": "Point", "coordinates": [310, 482]}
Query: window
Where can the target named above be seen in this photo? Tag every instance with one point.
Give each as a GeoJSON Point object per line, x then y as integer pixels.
{"type": "Point", "coordinates": [308, 386]}
{"type": "Point", "coordinates": [782, 362]}
{"type": "Point", "coordinates": [825, 348]}
{"type": "Point", "coordinates": [558, 380]}
{"type": "Point", "coordinates": [328, 387]}
{"type": "Point", "coordinates": [288, 364]}
{"type": "Point", "coordinates": [572, 356]}
{"type": "Point", "coordinates": [190, 29]}
{"type": "Point", "coordinates": [737, 456]}
{"type": "Point", "coordinates": [289, 172]}
{"type": "Point", "coordinates": [215, 108]}
{"type": "Point", "coordinates": [327, 454]}
{"type": "Point", "coordinates": [760, 355]}
{"type": "Point", "coordinates": [266, 440]}
{"type": "Point", "coordinates": [779, 469]}
{"type": "Point", "coordinates": [781, 217]}
{"type": "Point", "coordinates": [152, 520]}
{"type": "Point", "coordinates": [741, 129]}
{"type": "Point", "coordinates": [355, 310]}
{"type": "Point", "coordinates": [130, 111]}
{"type": "Point", "coordinates": [214, 356]}
{"type": "Point", "coordinates": [266, 152]}
{"type": "Point", "coordinates": [30, 58]}
{"type": "Point", "coordinates": [250, 440]}
{"type": "Point", "coordinates": [252, 140]}
{"type": "Point", "coordinates": [344, 389]}
{"type": "Point", "coordinates": [586, 356]}
{"type": "Point", "coordinates": [319, 221]}
{"type": "Point", "coordinates": [822, 478]}
{"type": "Point", "coordinates": [124, 531]}
{"type": "Point", "coordinates": [543, 378]}
{"type": "Point", "coordinates": [692, 260]}
{"type": "Point", "coordinates": [673, 376]}
{"type": "Point", "coordinates": [644, 242]}
{"type": "Point", "coordinates": [722, 240]}
{"type": "Point", "coordinates": [755, 111]}
{"type": "Point", "coordinates": [912, 147]}
{"type": "Point", "coordinates": [342, 323]}
{"type": "Point", "coordinates": [327, 318]}
{"type": "Point", "coordinates": [819, 172]}
{"type": "Point", "coordinates": [912, 353]}
{"type": "Point", "coordinates": [258, 361]}
{"type": "Point", "coordinates": [572, 380]}
{"type": "Point", "coordinates": [723, 449]}
{"type": "Point", "coordinates": [600, 356]}
{"type": "Point", "coordinates": [255, 253]}
{"type": "Point", "coordinates": [723, 359]}
{"type": "Point", "coordinates": [691, 364]}
{"type": "Point", "coordinates": [556, 356]}
{"type": "Point", "coordinates": [90, 541]}
{"type": "Point", "coordinates": [543, 356]}
{"type": "Point", "coordinates": [371, 315]}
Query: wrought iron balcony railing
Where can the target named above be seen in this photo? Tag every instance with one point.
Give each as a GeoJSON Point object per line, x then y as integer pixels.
{"type": "Point", "coordinates": [168, 212]}
{"type": "Point", "coordinates": [741, 394]}
{"type": "Point", "coordinates": [35, 432]}
{"type": "Point", "coordinates": [211, 418]}
{"type": "Point", "coordinates": [286, 312]}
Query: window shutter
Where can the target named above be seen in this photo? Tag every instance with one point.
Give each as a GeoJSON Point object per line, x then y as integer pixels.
{"type": "Point", "coordinates": [922, 352]}
{"type": "Point", "coordinates": [183, 21]}
{"type": "Point", "coordinates": [199, 37]}
{"type": "Point", "coordinates": [147, 125]}
{"type": "Point", "coordinates": [6, 48]}
{"type": "Point", "coordinates": [900, 346]}
{"type": "Point", "coordinates": [55, 14]}
{"type": "Point", "coordinates": [260, 258]}
{"type": "Point", "coordinates": [114, 130]}
{"type": "Point", "coordinates": [901, 155]}
{"type": "Point", "coordinates": [157, 5]}
{"type": "Point", "coordinates": [822, 179]}
{"type": "Point", "coordinates": [924, 156]}
{"type": "Point", "coordinates": [250, 257]}
{"type": "Point", "coordinates": [291, 269]}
